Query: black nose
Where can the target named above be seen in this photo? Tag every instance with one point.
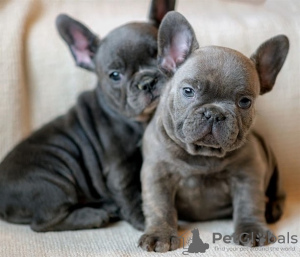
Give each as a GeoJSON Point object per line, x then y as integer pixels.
{"type": "Point", "coordinates": [214, 114]}
{"type": "Point", "coordinates": [147, 83]}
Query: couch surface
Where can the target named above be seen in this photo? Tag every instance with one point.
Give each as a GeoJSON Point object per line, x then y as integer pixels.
{"type": "Point", "coordinates": [38, 81]}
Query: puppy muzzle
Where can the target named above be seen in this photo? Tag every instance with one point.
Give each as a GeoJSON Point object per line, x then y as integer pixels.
{"type": "Point", "coordinates": [210, 127]}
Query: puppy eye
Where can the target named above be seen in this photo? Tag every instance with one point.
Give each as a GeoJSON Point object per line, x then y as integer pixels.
{"type": "Point", "coordinates": [188, 92]}
{"type": "Point", "coordinates": [244, 103]}
{"type": "Point", "coordinates": [115, 76]}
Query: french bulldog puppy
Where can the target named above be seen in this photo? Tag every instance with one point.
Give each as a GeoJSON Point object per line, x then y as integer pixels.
{"type": "Point", "coordinates": [202, 161]}
{"type": "Point", "coordinates": [83, 169]}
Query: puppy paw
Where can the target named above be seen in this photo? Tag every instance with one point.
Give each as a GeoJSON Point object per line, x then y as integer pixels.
{"type": "Point", "coordinates": [274, 210]}
{"type": "Point", "coordinates": [253, 235]}
{"type": "Point", "coordinates": [159, 242]}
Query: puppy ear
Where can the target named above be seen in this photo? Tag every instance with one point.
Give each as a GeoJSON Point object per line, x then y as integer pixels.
{"type": "Point", "coordinates": [176, 41]}
{"type": "Point", "coordinates": [158, 10]}
{"type": "Point", "coordinates": [82, 42]}
{"type": "Point", "coordinates": [269, 59]}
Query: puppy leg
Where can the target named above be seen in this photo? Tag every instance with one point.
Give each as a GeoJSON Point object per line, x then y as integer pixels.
{"type": "Point", "coordinates": [126, 193]}
{"type": "Point", "coordinates": [48, 204]}
{"type": "Point", "coordinates": [130, 203]}
{"type": "Point", "coordinates": [249, 209]}
{"type": "Point", "coordinates": [276, 198]}
{"type": "Point", "coordinates": [56, 209]}
{"type": "Point", "coordinates": [83, 218]}
{"type": "Point", "coordinates": [160, 213]}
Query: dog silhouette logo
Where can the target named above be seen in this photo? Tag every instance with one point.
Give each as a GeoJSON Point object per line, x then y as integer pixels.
{"type": "Point", "coordinates": [196, 245]}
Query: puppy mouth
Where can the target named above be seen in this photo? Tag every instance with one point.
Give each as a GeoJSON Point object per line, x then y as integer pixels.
{"type": "Point", "coordinates": [201, 146]}
{"type": "Point", "coordinates": [208, 150]}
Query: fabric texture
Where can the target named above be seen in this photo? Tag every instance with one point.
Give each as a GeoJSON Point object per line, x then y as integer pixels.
{"type": "Point", "coordinates": [38, 81]}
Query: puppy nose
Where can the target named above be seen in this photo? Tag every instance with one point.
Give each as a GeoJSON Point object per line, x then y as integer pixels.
{"type": "Point", "coordinates": [147, 83]}
{"type": "Point", "coordinates": [214, 114]}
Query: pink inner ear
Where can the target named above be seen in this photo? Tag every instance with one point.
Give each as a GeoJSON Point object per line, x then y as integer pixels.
{"type": "Point", "coordinates": [177, 52]}
{"type": "Point", "coordinates": [168, 64]}
{"type": "Point", "coordinates": [82, 56]}
{"type": "Point", "coordinates": [80, 40]}
{"type": "Point", "coordinates": [80, 47]}
{"type": "Point", "coordinates": [180, 47]}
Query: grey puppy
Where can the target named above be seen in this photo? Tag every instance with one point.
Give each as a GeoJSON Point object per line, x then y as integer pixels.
{"type": "Point", "coordinates": [82, 170]}
{"type": "Point", "coordinates": [201, 159]}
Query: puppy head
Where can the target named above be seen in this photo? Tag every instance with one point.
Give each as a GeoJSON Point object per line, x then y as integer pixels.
{"type": "Point", "coordinates": [208, 105]}
{"type": "Point", "coordinates": [124, 61]}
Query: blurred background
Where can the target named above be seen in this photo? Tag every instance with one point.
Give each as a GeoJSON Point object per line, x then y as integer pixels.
{"type": "Point", "coordinates": [39, 80]}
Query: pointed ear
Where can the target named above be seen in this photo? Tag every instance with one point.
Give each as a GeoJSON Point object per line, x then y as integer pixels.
{"type": "Point", "coordinates": [269, 59]}
{"type": "Point", "coordinates": [82, 42]}
{"type": "Point", "coordinates": [176, 41]}
{"type": "Point", "coordinates": [158, 10]}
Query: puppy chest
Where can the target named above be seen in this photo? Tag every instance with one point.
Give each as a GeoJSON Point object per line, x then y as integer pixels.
{"type": "Point", "coordinates": [202, 198]}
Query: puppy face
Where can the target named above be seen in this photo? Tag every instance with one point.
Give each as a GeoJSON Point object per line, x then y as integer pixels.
{"type": "Point", "coordinates": [124, 61]}
{"type": "Point", "coordinates": [127, 67]}
{"type": "Point", "coordinates": [211, 95]}
{"type": "Point", "coordinates": [212, 99]}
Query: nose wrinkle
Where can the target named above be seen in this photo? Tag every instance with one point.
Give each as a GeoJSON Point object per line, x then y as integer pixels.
{"type": "Point", "coordinates": [214, 114]}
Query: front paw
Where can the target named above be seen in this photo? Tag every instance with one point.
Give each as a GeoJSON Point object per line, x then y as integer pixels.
{"type": "Point", "coordinates": [159, 242]}
{"type": "Point", "coordinates": [253, 235]}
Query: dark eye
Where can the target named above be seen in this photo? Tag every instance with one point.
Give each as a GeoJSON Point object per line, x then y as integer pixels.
{"type": "Point", "coordinates": [244, 103]}
{"type": "Point", "coordinates": [115, 76]}
{"type": "Point", "coordinates": [188, 92]}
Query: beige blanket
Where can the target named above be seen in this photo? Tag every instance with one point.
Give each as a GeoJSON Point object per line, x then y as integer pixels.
{"type": "Point", "coordinates": [38, 81]}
